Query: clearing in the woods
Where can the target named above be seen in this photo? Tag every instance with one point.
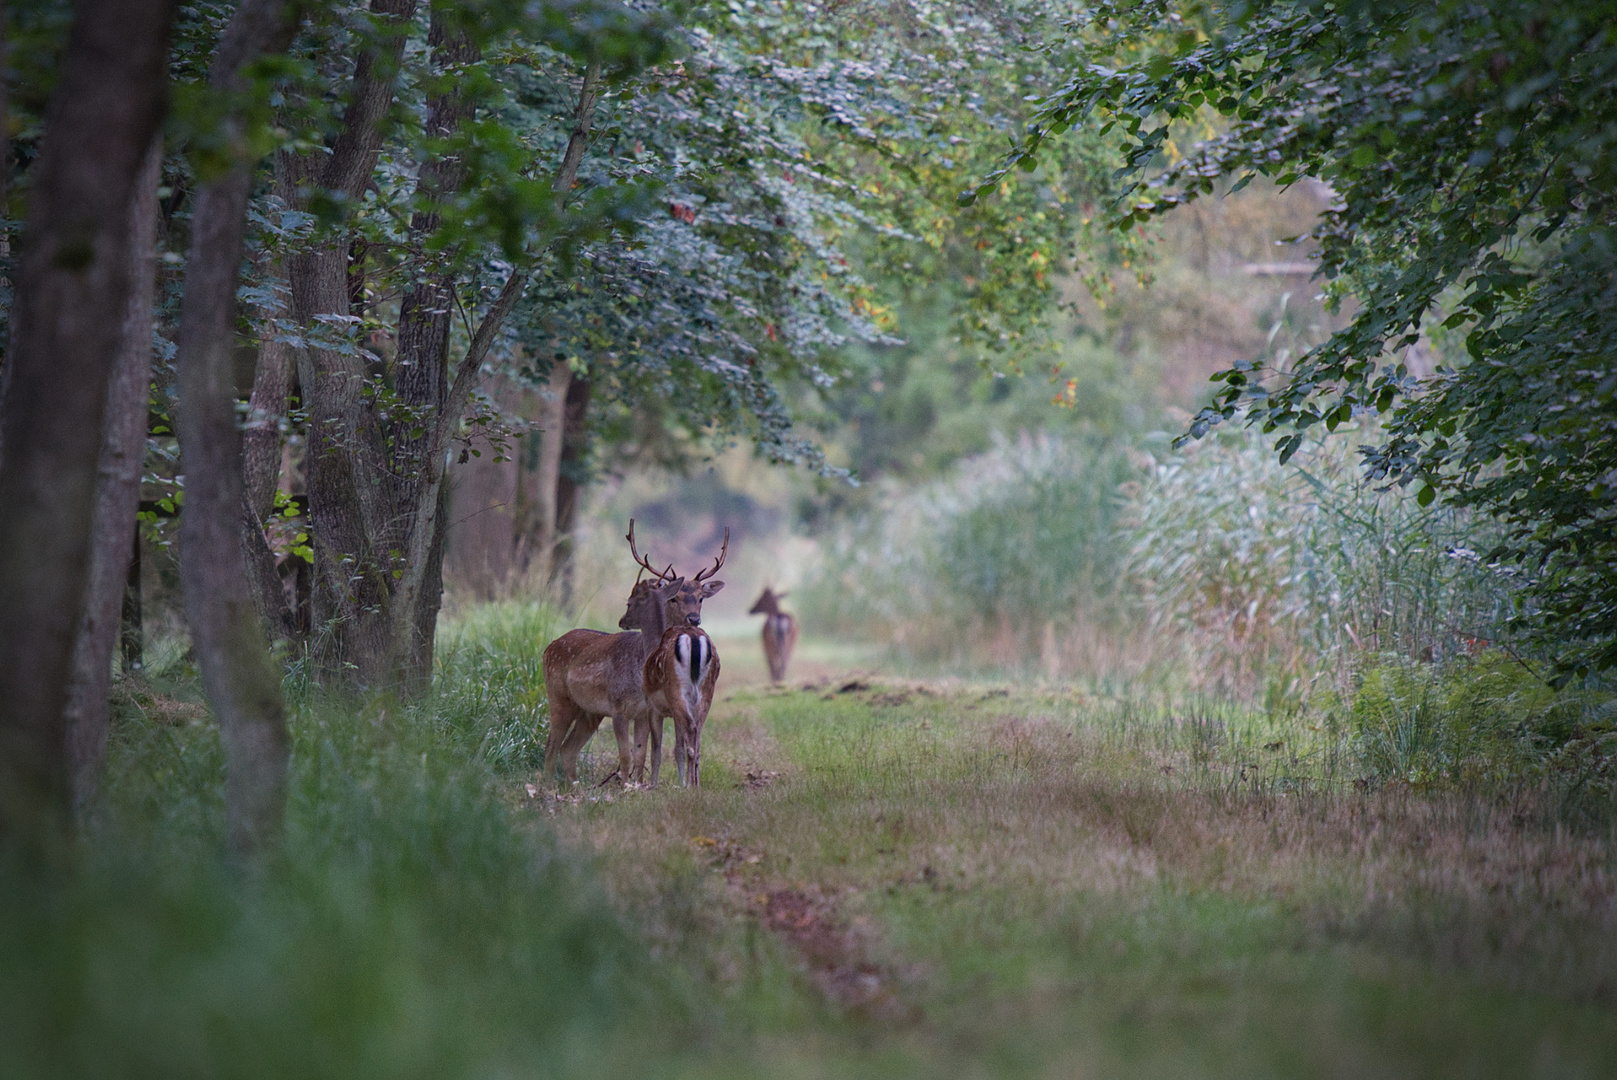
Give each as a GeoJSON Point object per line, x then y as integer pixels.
{"type": "Point", "coordinates": [941, 877]}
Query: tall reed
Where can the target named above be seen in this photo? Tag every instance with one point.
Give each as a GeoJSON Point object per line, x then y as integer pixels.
{"type": "Point", "coordinates": [1272, 570]}
{"type": "Point", "coordinates": [982, 565]}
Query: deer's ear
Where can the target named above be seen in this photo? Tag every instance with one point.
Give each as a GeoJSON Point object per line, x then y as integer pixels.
{"type": "Point", "coordinates": [711, 587]}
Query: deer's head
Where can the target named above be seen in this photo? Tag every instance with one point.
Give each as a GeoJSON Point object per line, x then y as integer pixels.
{"type": "Point", "coordinates": [768, 603]}
{"type": "Point", "coordinates": [652, 605]}
{"type": "Point", "coordinates": [685, 606]}
{"type": "Point", "coordinates": [699, 588]}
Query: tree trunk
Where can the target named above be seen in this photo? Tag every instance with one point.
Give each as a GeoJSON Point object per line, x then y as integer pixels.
{"type": "Point", "coordinates": [405, 616]}
{"type": "Point", "coordinates": [536, 486]}
{"type": "Point", "coordinates": [117, 496]}
{"type": "Point", "coordinates": [131, 631]}
{"type": "Point", "coordinates": [242, 682]}
{"type": "Point", "coordinates": [346, 470]}
{"type": "Point", "coordinates": [571, 479]}
{"type": "Point", "coordinates": [260, 472]}
{"type": "Point", "coordinates": [422, 382]}
{"type": "Point", "coordinates": [575, 432]}
{"type": "Point", "coordinates": [67, 320]}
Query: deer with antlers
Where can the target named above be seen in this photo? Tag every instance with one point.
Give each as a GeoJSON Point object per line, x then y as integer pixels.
{"type": "Point", "coordinates": [590, 674]}
{"type": "Point", "coordinates": [678, 679]}
{"type": "Point", "coordinates": [780, 632]}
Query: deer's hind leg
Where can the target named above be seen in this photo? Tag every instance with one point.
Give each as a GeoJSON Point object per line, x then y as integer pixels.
{"type": "Point", "coordinates": [564, 716]}
{"type": "Point", "coordinates": [578, 737]}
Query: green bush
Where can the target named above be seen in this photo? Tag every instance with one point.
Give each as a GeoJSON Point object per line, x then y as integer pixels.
{"type": "Point", "coordinates": [1487, 722]}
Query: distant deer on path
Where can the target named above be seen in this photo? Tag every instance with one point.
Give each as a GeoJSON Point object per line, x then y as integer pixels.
{"type": "Point", "coordinates": [780, 632]}
{"type": "Point", "coordinates": [590, 675]}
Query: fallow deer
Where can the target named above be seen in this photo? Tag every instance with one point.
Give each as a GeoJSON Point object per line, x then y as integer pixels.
{"type": "Point", "coordinates": [679, 680]}
{"type": "Point", "coordinates": [780, 632]}
{"type": "Point", "coordinates": [698, 672]}
{"type": "Point", "coordinates": [590, 675]}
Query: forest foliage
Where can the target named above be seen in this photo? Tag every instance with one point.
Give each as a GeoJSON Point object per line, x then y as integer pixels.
{"type": "Point", "coordinates": [1473, 159]}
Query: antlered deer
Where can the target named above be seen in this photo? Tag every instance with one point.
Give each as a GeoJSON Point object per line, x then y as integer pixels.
{"type": "Point", "coordinates": [780, 632]}
{"type": "Point", "coordinates": [684, 653]}
{"type": "Point", "coordinates": [679, 679]}
{"type": "Point", "coordinates": [590, 675]}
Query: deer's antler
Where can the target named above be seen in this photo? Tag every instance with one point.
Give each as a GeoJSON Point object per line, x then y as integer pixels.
{"type": "Point", "coordinates": [703, 575]}
{"type": "Point", "coordinates": [644, 561]}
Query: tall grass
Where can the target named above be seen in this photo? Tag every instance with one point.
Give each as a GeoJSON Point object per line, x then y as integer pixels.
{"type": "Point", "coordinates": [415, 923]}
{"type": "Point", "coordinates": [1273, 570]}
{"type": "Point", "coordinates": [490, 686]}
{"type": "Point", "coordinates": [1296, 590]}
{"type": "Point", "coordinates": [984, 564]}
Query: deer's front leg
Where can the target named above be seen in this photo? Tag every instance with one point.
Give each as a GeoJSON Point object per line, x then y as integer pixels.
{"type": "Point", "coordinates": [642, 732]}
{"type": "Point", "coordinates": [655, 730]}
{"type": "Point", "coordinates": [623, 732]}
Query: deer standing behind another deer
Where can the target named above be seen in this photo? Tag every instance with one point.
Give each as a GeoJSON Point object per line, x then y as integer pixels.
{"type": "Point", "coordinates": [590, 675]}
{"type": "Point", "coordinates": [780, 632]}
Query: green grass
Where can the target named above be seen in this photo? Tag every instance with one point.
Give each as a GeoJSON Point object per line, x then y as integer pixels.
{"type": "Point", "coordinates": [415, 924]}
{"type": "Point", "coordinates": [1051, 884]}
{"type": "Point", "coordinates": [909, 878]}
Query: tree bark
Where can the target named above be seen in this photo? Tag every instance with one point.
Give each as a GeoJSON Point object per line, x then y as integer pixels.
{"type": "Point", "coordinates": [131, 628]}
{"type": "Point", "coordinates": [261, 471]}
{"type": "Point", "coordinates": [418, 563]}
{"type": "Point", "coordinates": [423, 384]}
{"type": "Point", "coordinates": [570, 482]}
{"type": "Point", "coordinates": [345, 462]}
{"type": "Point", "coordinates": [67, 321]}
{"type": "Point", "coordinates": [536, 487]}
{"type": "Point", "coordinates": [117, 496]}
{"type": "Point", "coordinates": [242, 682]}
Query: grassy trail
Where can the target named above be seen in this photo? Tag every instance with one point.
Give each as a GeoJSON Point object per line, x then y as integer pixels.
{"type": "Point", "coordinates": [889, 877]}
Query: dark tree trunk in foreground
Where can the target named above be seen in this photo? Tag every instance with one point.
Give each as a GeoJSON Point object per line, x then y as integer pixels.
{"type": "Point", "coordinates": [242, 682]}
{"type": "Point", "coordinates": [67, 321]}
{"type": "Point", "coordinates": [117, 496]}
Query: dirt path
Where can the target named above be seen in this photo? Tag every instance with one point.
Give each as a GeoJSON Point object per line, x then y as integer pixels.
{"type": "Point", "coordinates": [993, 880]}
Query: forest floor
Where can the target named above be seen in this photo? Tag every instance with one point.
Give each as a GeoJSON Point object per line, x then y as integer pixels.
{"type": "Point", "coordinates": [886, 876]}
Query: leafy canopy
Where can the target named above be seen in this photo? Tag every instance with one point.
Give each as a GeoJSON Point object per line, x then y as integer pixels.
{"type": "Point", "coordinates": [1473, 151]}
